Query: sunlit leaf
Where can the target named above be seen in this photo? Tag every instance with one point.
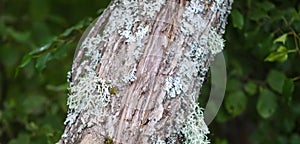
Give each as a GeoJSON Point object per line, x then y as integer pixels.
{"type": "Point", "coordinates": [281, 39]}
{"type": "Point", "coordinates": [280, 55]}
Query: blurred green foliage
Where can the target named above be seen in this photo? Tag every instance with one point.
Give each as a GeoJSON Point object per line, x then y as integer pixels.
{"type": "Point", "coordinates": [262, 51]}
{"type": "Point", "coordinates": [37, 42]}
{"type": "Point", "coordinates": [38, 39]}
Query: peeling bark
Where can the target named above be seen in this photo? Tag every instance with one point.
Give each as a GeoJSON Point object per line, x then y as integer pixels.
{"type": "Point", "coordinates": [137, 73]}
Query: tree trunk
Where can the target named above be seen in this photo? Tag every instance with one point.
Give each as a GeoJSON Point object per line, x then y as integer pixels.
{"type": "Point", "coordinates": [137, 74]}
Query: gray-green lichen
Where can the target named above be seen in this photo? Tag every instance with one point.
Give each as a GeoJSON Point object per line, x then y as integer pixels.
{"type": "Point", "coordinates": [195, 129]}
{"type": "Point", "coordinates": [88, 97]}
{"type": "Point", "coordinates": [215, 42]}
{"type": "Point", "coordinates": [194, 65]}
{"type": "Point", "coordinates": [91, 95]}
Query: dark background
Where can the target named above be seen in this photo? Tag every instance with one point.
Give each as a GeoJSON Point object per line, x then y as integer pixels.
{"type": "Point", "coordinates": [262, 55]}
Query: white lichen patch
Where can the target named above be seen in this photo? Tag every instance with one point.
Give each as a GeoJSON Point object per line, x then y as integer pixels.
{"type": "Point", "coordinates": [191, 129]}
{"type": "Point", "coordinates": [205, 42]}
{"type": "Point", "coordinates": [173, 87]}
{"type": "Point", "coordinates": [158, 141]}
{"type": "Point", "coordinates": [91, 54]}
{"type": "Point", "coordinates": [224, 8]}
{"type": "Point", "coordinates": [192, 22]}
{"type": "Point", "coordinates": [193, 67]}
{"type": "Point", "coordinates": [88, 97]}
{"type": "Point", "coordinates": [215, 42]}
{"type": "Point", "coordinates": [127, 14]}
{"type": "Point", "coordinates": [90, 45]}
{"type": "Point", "coordinates": [195, 129]}
{"type": "Point", "coordinates": [123, 17]}
{"type": "Point", "coordinates": [199, 55]}
{"type": "Point", "coordinates": [131, 76]}
{"type": "Point", "coordinates": [195, 7]}
{"type": "Point", "coordinates": [150, 8]}
{"type": "Point", "coordinates": [136, 37]}
{"type": "Point", "coordinates": [131, 20]}
{"type": "Point", "coordinates": [142, 31]}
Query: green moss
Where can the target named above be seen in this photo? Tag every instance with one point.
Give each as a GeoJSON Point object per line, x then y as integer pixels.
{"type": "Point", "coordinates": [108, 141]}
{"type": "Point", "coordinates": [113, 91]}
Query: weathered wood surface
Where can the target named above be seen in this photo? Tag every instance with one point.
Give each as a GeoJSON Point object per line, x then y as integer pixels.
{"type": "Point", "coordinates": [137, 74]}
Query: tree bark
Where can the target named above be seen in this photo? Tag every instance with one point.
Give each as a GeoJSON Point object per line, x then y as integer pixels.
{"type": "Point", "coordinates": [137, 73]}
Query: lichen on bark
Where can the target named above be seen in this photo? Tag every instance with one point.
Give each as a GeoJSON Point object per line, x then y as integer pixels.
{"type": "Point", "coordinates": [155, 54]}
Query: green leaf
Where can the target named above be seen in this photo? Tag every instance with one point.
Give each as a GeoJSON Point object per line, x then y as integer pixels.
{"type": "Point", "coordinates": [21, 139]}
{"type": "Point", "coordinates": [41, 62]}
{"type": "Point", "coordinates": [276, 80]}
{"type": "Point", "coordinates": [39, 9]}
{"type": "Point", "coordinates": [266, 6]}
{"type": "Point", "coordinates": [288, 124]}
{"type": "Point", "coordinates": [278, 14]}
{"type": "Point", "coordinates": [21, 37]}
{"type": "Point", "coordinates": [36, 53]}
{"type": "Point", "coordinates": [222, 115]}
{"type": "Point", "coordinates": [221, 141]}
{"type": "Point", "coordinates": [25, 61]}
{"type": "Point", "coordinates": [237, 19]}
{"type": "Point", "coordinates": [78, 26]}
{"type": "Point", "coordinates": [236, 103]}
{"type": "Point", "coordinates": [43, 49]}
{"type": "Point", "coordinates": [266, 104]}
{"type": "Point", "coordinates": [61, 51]}
{"type": "Point", "coordinates": [295, 138]}
{"type": "Point", "coordinates": [288, 89]}
{"type": "Point", "coordinates": [32, 127]}
{"type": "Point", "coordinates": [258, 14]}
{"type": "Point", "coordinates": [34, 104]}
{"type": "Point", "coordinates": [281, 39]}
{"type": "Point", "coordinates": [233, 84]}
{"type": "Point", "coordinates": [280, 55]}
{"type": "Point", "coordinates": [251, 88]}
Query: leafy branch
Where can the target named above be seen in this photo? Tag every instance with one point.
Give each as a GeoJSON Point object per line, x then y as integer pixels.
{"type": "Point", "coordinates": [53, 48]}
